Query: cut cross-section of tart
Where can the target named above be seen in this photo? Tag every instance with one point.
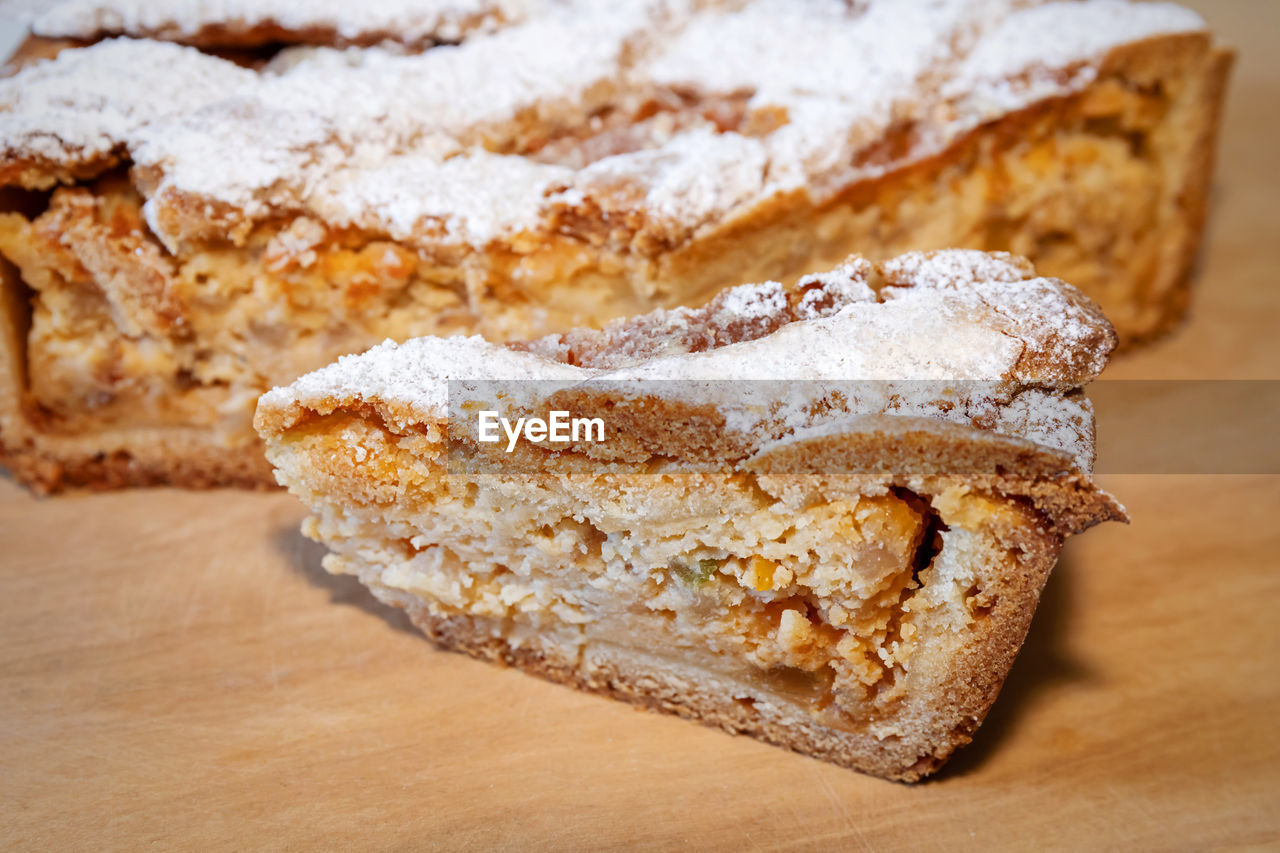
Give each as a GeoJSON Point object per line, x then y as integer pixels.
{"type": "Point", "coordinates": [819, 515]}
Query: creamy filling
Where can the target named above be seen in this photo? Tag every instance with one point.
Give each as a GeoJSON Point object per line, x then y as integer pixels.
{"type": "Point", "coordinates": [803, 596]}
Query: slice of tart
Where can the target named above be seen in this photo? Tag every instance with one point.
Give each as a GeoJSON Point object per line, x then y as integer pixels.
{"type": "Point", "coordinates": [184, 228]}
{"type": "Point", "coordinates": [819, 515]}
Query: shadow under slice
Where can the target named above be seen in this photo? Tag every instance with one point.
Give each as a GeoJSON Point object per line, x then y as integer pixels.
{"type": "Point", "coordinates": [1043, 665]}
{"type": "Point", "coordinates": [304, 557]}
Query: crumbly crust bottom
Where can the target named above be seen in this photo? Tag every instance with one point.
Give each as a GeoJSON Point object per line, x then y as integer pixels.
{"type": "Point", "coordinates": [194, 466]}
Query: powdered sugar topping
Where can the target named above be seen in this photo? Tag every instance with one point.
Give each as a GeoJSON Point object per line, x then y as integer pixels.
{"type": "Point", "coordinates": [940, 330]}
{"type": "Point", "coordinates": [415, 374]}
{"type": "Point", "coordinates": [361, 135]}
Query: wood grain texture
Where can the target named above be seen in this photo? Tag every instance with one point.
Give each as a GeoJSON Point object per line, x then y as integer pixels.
{"type": "Point", "coordinates": [177, 670]}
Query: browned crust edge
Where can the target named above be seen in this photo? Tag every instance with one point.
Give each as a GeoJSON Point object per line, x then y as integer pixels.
{"type": "Point", "coordinates": [938, 719]}
{"type": "Point", "coordinates": [1136, 62]}
{"type": "Point", "coordinates": [187, 465]}
{"type": "Point", "coordinates": [1192, 198]}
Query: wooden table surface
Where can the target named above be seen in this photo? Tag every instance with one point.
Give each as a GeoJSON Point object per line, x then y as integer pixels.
{"type": "Point", "coordinates": [176, 670]}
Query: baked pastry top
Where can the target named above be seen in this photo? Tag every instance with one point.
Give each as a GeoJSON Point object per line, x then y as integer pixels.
{"type": "Point", "coordinates": [636, 123]}
{"type": "Point", "coordinates": [186, 228]}
{"type": "Point", "coordinates": [1012, 345]}
{"type": "Point", "coordinates": [846, 567]}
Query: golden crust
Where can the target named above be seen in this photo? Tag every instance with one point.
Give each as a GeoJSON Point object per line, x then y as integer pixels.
{"type": "Point", "coordinates": [1205, 69]}
{"type": "Point", "coordinates": [1183, 249]}
{"type": "Point", "coordinates": [1144, 296]}
{"type": "Point", "coordinates": [1136, 264]}
{"type": "Point", "coordinates": [237, 37]}
{"type": "Point", "coordinates": [35, 49]}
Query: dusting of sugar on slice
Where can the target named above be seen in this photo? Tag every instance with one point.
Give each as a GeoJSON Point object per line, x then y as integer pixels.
{"type": "Point", "coordinates": [942, 341]}
{"type": "Point", "coordinates": [336, 118]}
{"type": "Point", "coordinates": [696, 178]}
{"type": "Point", "coordinates": [749, 302]}
{"type": "Point", "coordinates": [871, 54]}
{"type": "Point", "coordinates": [829, 292]}
{"type": "Point", "coordinates": [1055, 322]}
{"type": "Point", "coordinates": [416, 374]}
